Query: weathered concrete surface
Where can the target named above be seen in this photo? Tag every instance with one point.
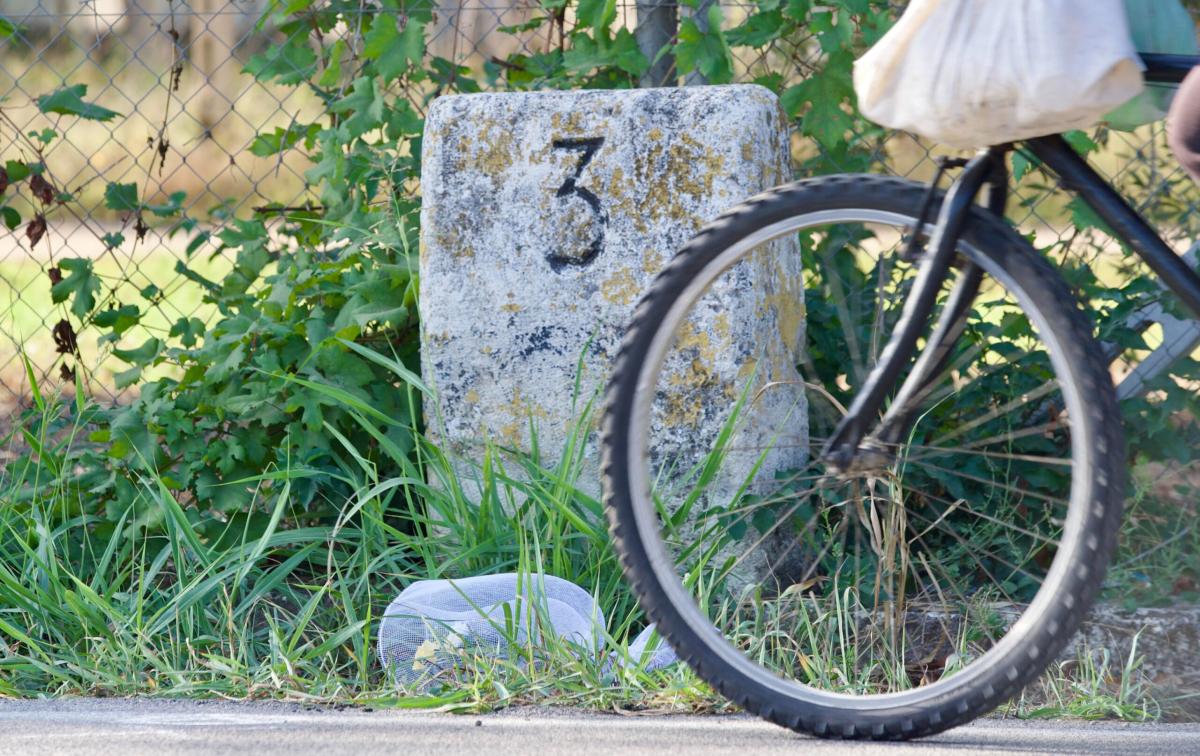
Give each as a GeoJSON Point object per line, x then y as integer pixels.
{"type": "Point", "coordinates": [546, 215]}
{"type": "Point", "coordinates": [1168, 640]}
{"type": "Point", "coordinates": [155, 727]}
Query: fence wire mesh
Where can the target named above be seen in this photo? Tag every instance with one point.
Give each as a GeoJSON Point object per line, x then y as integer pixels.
{"type": "Point", "coordinates": [173, 70]}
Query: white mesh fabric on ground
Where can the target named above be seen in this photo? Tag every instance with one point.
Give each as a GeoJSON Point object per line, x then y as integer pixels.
{"type": "Point", "coordinates": [433, 625]}
{"type": "Point", "coordinates": [651, 651]}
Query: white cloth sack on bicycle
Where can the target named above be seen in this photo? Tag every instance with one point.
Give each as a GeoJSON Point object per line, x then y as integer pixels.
{"type": "Point", "coordinates": [971, 73]}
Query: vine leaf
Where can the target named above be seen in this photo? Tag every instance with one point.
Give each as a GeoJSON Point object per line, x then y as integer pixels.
{"type": "Point", "coordinates": [826, 121]}
{"type": "Point", "coordinates": [121, 197]}
{"type": "Point", "coordinates": [289, 63]}
{"type": "Point", "coordinates": [705, 51]}
{"type": "Point", "coordinates": [597, 14]}
{"type": "Point", "coordinates": [7, 28]}
{"type": "Point", "coordinates": [16, 170]}
{"type": "Point", "coordinates": [119, 319]}
{"type": "Point", "coordinates": [80, 284]}
{"type": "Point", "coordinates": [69, 101]}
{"type": "Point", "coordinates": [141, 355]}
{"type": "Point", "coordinates": [393, 50]}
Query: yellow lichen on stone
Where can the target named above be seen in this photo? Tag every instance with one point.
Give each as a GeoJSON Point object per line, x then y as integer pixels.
{"type": "Point", "coordinates": [493, 156]}
{"type": "Point", "coordinates": [521, 412]}
{"type": "Point", "coordinates": [652, 262]}
{"type": "Point", "coordinates": [781, 299]}
{"type": "Point", "coordinates": [694, 166]}
{"type": "Point", "coordinates": [620, 288]}
{"type": "Point", "coordinates": [691, 337]}
{"type": "Point", "coordinates": [721, 327]}
{"type": "Point", "coordinates": [675, 175]}
{"type": "Point", "coordinates": [570, 124]}
{"type": "Point", "coordinates": [451, 241]}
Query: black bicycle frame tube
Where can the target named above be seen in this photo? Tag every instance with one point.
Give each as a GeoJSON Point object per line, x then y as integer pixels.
{"type": "Point", "coordinates": [842, 446]}
{"type": "Point", "coordinates": [1167, 69]}
{"type": "Point", "coordinates": [935, 357]}
{"type": "Point", "coordinates": [1077, 176]}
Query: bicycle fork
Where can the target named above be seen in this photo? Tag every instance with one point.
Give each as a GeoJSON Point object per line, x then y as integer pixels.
{"type": "Point", "coordinates": [852, 447]}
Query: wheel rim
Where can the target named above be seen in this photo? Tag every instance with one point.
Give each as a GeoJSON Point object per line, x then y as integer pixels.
{"type": "Point", "coordinates": [648, 518]}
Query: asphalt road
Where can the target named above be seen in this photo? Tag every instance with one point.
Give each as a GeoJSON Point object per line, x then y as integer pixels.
{"type": "Point", "coordinates": [135, 727]}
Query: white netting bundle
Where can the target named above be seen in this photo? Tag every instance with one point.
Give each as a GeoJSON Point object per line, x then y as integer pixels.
{"type": "Point", "coordinates": [434, 626]}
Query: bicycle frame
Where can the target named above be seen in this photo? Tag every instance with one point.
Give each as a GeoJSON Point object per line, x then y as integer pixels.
{"type": "Point", "coordinates": [850, 447]}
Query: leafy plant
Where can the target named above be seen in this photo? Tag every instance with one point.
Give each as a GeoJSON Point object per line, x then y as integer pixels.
{"type": "Point", "coordinates": [218, 402]}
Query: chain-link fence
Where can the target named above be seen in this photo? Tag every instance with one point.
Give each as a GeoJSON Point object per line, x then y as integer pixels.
{"type": "Point", "coordinates": [173, 70]}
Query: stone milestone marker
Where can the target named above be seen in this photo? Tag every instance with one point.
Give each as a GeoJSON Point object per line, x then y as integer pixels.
{"type": "Point", "coordinates": [544, 218]}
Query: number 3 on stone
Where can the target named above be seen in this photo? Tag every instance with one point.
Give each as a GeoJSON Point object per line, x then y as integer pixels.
{"type": "Point", "coordinates": [587, 149]}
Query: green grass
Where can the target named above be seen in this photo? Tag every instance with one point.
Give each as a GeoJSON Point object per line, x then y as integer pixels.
{"type": "Point", "coordinates": [1090, 686]}
{"type": "Point", "coordinates": [93, 603]}
{"type": "Point", "coordinates": [1158, 562]}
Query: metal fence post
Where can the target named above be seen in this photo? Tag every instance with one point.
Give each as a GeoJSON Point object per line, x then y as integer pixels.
{"type": "Point", "coordinates": [657, 22]}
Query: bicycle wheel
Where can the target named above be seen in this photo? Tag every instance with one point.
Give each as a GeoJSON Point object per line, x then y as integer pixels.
{"type": "Point", "coordinates": [910, 595]}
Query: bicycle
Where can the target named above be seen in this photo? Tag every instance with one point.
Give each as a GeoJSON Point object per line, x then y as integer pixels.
{"type": "Point", "coordinates": [901, 556]}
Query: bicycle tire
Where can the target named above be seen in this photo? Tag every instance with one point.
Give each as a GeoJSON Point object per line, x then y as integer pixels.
{"type": "Point", "coordinates": [1097, 491]}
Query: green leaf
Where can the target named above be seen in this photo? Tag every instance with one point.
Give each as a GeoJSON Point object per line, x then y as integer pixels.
{"type": "Point", "coordinates": [586, 54]}
{"type": "Point", "coordinates": [381, 35]}
{"type": "Point", "coordinates": [45, 136]}
{"type": "Point", "coordinates": [69, 101]}
{"type": "Point", "coordinates": [80, 285]}
{"type": "Point", "coordinates": [11, 217]}
{"type": "Point", "coordinates": [757, 30]}
{"type": "Point", "coordinates": [836, 36]}
{"type": "Point", "coordinates": [121, 197]}
{"type": "Point", "coordinates": [705, 51]}
{"type": "Point", "coordinates": [333, 69]}
{"type": "Point", "coordinates": [119, 319]}
{"type": "Point", "coordinates": [365, 104]}
{"type": "Point", "coordinates": [265, 145]}
{"type": "Point", "coordinates": [188, 331]}
{"type": "Point", "coordinates": [394, 51]}
{"type": "Point", "coordinates": [627, 55]}
{"type": "Point", "coordinates": [1081, 142]}
{"type": "Point", "coordinates": [113, 239]}
{"type": "Point", "coordinates": [854, 6]}
{"type": "Point", "coordinates": [1021, 165]}
{"type": "Point", "coordinates": [290, 63]}
{"type": "Point", "coordinates": [172, 206]}
{"type": "Point", "coordinates": [198, 241]}
{"type": "Point", "coordinates": [797, 10]}
{"type": "Point", "coordinates": [142, 355]}
{"type": "Point", "coordinates": [824, 95]}
{"type": "Point", "coordinates": [16, 170]}
{"type": "Point", "coordinates": [7, 28]}
{"type": "Point", "coordinates": [597, 14]}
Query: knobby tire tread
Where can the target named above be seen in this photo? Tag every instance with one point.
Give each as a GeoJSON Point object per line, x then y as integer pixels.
{"type": "Point", "coordinates": [994, 239]}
